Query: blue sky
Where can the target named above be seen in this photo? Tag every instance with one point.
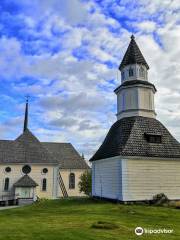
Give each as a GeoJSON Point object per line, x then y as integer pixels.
{"type": "Point", "coordinates": [65, 55]}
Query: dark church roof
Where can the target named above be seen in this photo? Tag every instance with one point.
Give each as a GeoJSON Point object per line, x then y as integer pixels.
{"type": "Point", "coordinates": [28, 149]}
{"type": "Point", "coordinates": [66, 155]}
{"type": "Point", "coordinates": [133, 55]}
{"type": "Point", "coordinates": [25, 149]}
{"type": "Point", "coordinates": [25, 181]}
{"type": "Point", "coordinates": [127, 138]}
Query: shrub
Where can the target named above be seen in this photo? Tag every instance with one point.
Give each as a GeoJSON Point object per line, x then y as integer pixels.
{"type": "Point", "coordinates": [85, 183]}
{"type": "Point", "coordinates": [160, 199]}
{"type": "Point", "coordinates": [177, 205]}
{"type": "Point", "coordinates": [174, 204]}
{"type": "Point", "coordinates": [104, 225]}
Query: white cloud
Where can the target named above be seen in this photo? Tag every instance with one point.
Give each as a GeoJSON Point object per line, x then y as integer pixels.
{"type": "Point", "coordinates": [72, 94]}
{"type": "Point", "coordinates": [147, 26]}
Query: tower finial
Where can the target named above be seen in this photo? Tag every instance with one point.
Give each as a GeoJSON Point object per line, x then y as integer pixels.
{"type": "Point", "coordinates": [132, 37]}
{"type": "Point", "coordinates": [26, 114]}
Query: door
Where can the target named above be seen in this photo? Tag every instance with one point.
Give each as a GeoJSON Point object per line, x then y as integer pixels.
{"type": "Point", "coordinates": [25, 192]}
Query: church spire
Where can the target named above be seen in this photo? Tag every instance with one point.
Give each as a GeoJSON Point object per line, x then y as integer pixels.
{"type": "Point", "coordinates": [135, 95]}
{"type": "Point", "coordinates": [133, 55]}
{"type": "Point", "coordinates": [26, 115]}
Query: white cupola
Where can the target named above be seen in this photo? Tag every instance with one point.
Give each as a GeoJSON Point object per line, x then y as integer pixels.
{"type": "Point", "coordinates": [135, 95]}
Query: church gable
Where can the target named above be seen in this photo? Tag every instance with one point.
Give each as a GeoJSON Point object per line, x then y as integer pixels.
{"type": "Point", "coordinates": [25, 181]}
{"type": "Point", "coordinates": [28, 149]}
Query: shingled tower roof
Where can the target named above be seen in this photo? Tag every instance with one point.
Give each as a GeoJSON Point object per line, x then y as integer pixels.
{"type": "Point", "coordinates": [133, 55]}
{"type": "Point", "coordinates": [127, 138]}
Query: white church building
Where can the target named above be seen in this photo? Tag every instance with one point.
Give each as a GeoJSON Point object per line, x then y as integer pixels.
{"type": "Point", "coordinates": [139, 157]}
{"type": "Point", "coordinates": [30, 169]}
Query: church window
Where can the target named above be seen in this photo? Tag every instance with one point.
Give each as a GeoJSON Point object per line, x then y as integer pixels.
{"type": "Point", "coordinates": [123, 75]}
{"type": "Point", "coordinates": [71, 181]}
{"type": "Point", "coordinates": [142, 72]}
{"type": "Point", "coordinates": [131, 72]}
{"type": "Point", "coordinates": [26, 169]}
{"type": "Point", "coordinates": [44, 184]}
{"type": "Point", "coordinates": [6, 184]}
{"type": "Point", "coordinates": [152, 138]}
{"type": "Point", "coordinates": [45, 170]}
{"type": "Point", "coordinates": [7, 169]}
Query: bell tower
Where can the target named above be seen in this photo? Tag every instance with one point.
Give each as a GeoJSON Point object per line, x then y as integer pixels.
{"type": "Point", "coordinates": [135, 95]}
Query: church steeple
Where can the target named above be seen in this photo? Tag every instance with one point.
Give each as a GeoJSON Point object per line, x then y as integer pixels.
{"type": "Point", "coordinates": [133, 55]}
{"type": "Point", "coordinates": [26, 115]}
{"type": "Point", "coordinates": [135, 95]}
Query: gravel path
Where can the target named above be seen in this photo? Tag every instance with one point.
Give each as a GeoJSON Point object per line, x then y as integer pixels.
{"type": "Point", "coordinates": [8, 207]}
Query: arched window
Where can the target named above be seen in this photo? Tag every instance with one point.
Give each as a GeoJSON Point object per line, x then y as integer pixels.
{"type": "Point", "coordinates": [6, 184]}
{"type": "Point", "coordinates": [44, 184]}
{"type": "Point", "coordinates": [71, 181]}
{"type": "Point", "coordinates": [142, 72]}
{"type": "Point", "coordinates": [131, 72]}
{"type": "Point", "coordinates": [123, 75]}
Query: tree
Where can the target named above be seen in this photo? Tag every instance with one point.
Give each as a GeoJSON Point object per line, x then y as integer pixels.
{"type": "Point", "coordinates": [85, 183]}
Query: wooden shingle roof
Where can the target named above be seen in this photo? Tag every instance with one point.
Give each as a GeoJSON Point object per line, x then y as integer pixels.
{"type": "Point", "coordinates": [133, 55]}
{"type": "Point", "coordinates": [66, 155]}
{"type": "Point", "coordinates": [25, 181]}
{"type": "Point", "coordinates": [28, 149]}
{"type": "Point", "coordinates": [126, 137]}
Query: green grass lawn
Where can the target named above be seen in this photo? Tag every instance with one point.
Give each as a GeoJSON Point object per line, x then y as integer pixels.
{"type": "Point", "coordinates": [73, 219]}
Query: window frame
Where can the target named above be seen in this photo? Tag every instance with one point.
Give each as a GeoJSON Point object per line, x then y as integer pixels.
{"type": "Point", "coordinates": [44, 173]}
{"type": "Point", "coordinates": [5, 170]}
{"type": "Point", "coordinates": [153, 138]}
{"type": "Point", "coordinates": [44, 185]}
{"type": "Point", "coordinates": [6, 184]}
{"type": "Point", "coordinates": [24, 172]}
{"type": "Point", "coordinates": [141, 72]}
{"type": "Point", "coordinates": [131, 72]}
{"type": "Point", "coordinates": [123, 75]}
{"type": "Point", "coordinates": [72, 181]}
